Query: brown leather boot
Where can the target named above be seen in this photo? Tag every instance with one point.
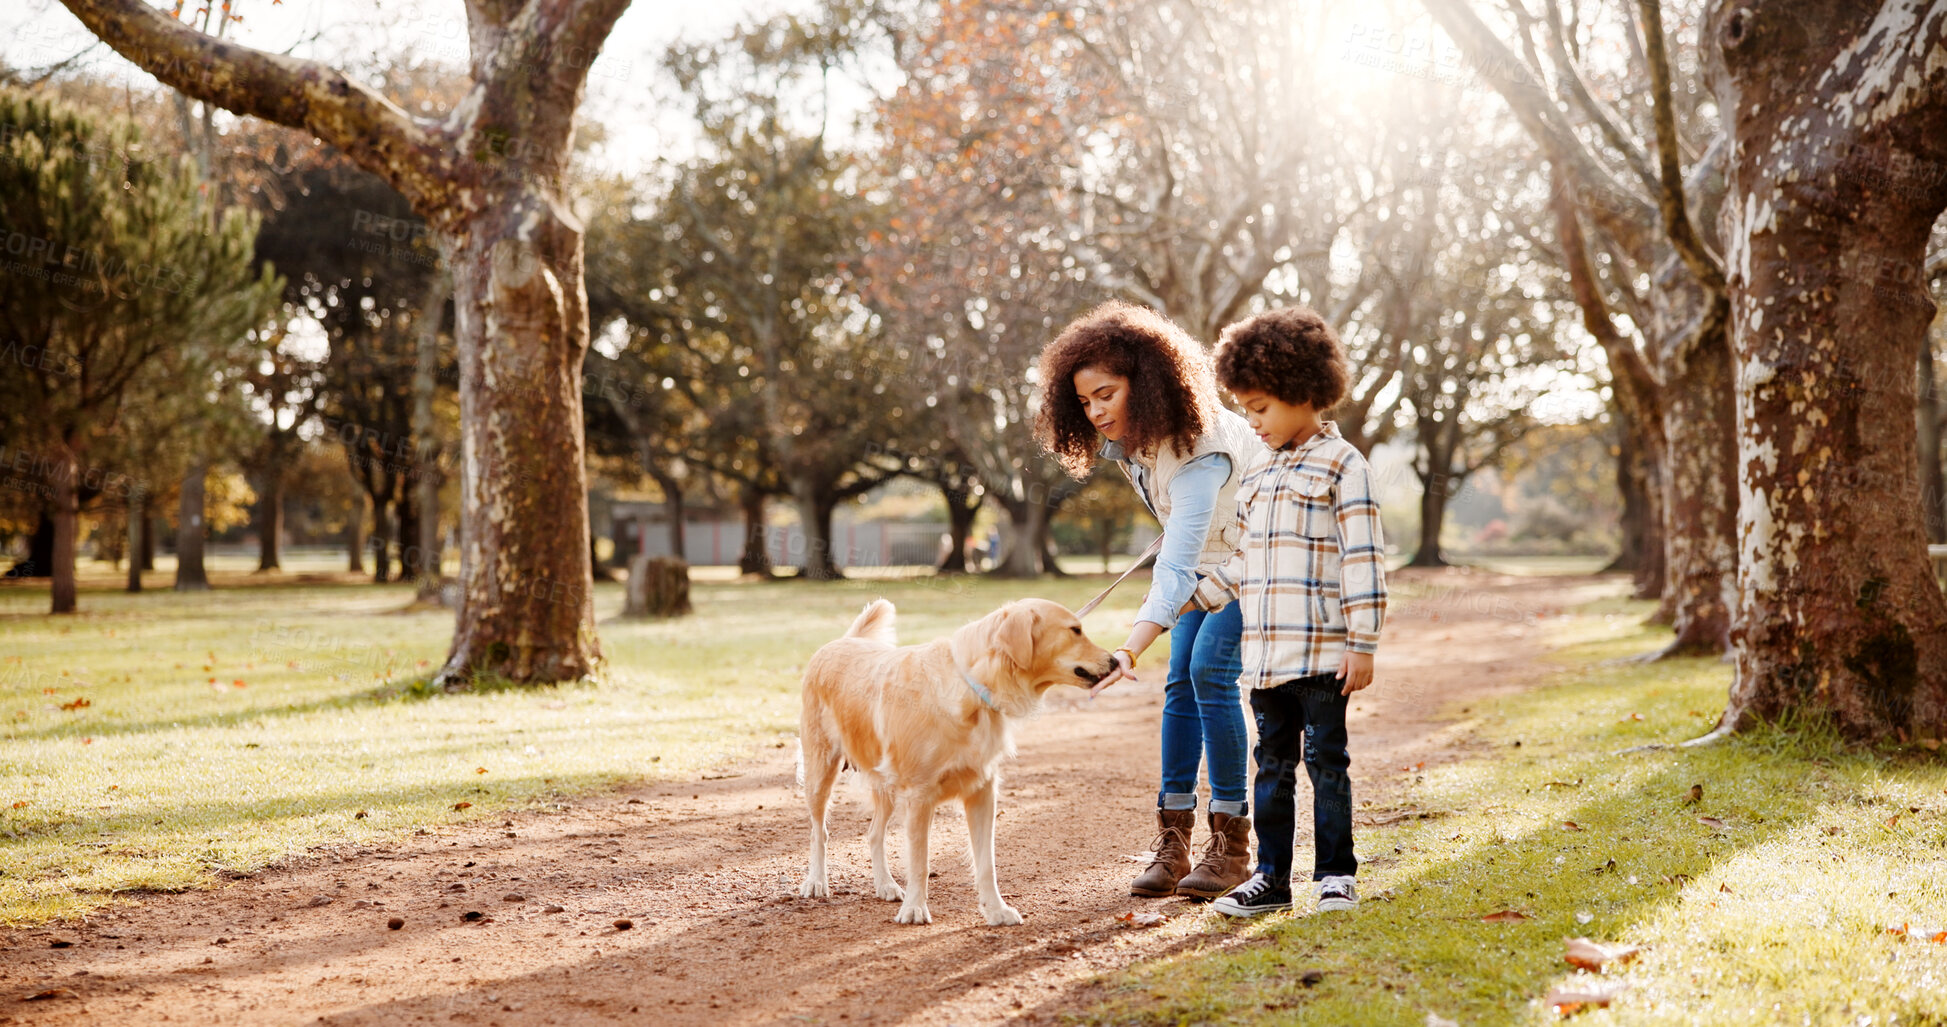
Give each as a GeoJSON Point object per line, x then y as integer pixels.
{"type": "Point", "coordinates": [1226, 861]}
{"type": "Point", "coordinates": [1172, 860]}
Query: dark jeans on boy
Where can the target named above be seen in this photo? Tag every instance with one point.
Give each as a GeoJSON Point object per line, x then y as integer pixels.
{"type": "Point", "coordinates": [1303, 719]}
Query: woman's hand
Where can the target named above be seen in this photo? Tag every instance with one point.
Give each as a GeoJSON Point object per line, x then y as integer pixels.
{"type": "Point", "coordinates": [1125, 667]}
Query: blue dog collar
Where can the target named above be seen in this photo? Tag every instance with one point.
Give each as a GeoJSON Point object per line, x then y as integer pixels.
{"type": "Point", "coordinates": [979, 690]}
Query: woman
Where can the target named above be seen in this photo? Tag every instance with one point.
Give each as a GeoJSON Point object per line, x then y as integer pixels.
{"type": "Point", "coordinates": [1125, 383]}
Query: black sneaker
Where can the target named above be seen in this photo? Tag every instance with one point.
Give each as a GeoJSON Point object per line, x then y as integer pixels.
{"type": "Point", "coordinates": [1254, 897]}
{"type": "Point", "coordinates": [1337, 893]}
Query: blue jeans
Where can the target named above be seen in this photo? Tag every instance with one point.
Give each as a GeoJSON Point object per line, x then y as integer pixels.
{"type": "Point", "coordinates": [1201, 713]}
{"type": "Point", "coordinates": [1303, 719]}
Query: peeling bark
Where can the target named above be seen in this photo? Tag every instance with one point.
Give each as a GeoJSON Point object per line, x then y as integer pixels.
{"type": "Point", "coordinates": [1700, 502]}
{"type": "Point", "coordinates": [1839, 116]}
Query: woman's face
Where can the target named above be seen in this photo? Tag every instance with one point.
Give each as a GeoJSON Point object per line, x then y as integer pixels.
{"type": "Point", "coordinates": [1105, 400]}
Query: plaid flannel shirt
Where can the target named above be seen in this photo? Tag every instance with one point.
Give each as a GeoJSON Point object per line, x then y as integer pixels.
{"type": "Point", "coordinates": [1311, 570]}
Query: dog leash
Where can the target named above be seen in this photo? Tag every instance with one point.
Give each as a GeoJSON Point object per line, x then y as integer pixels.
{"type": "Point", "coordinates": [1140, 560]}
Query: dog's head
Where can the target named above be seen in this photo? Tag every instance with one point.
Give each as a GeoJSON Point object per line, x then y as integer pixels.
{"type": "Point", "coordinates": [1028, 647]}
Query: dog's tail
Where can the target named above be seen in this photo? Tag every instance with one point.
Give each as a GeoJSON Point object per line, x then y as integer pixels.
{"type": "Point", "coordinates": [875, 623]}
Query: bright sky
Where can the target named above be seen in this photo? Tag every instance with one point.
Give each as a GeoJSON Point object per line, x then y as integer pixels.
{"type": "Point", "coordinates": [1368, 46]}
{"type": "Point", "coordinates": [624, 85]}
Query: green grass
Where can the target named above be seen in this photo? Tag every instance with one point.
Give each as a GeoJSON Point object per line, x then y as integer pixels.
{"type": "Point", "coordinates": [228, 729]}
{"type": "Point", "coordinates": [1778, 916]}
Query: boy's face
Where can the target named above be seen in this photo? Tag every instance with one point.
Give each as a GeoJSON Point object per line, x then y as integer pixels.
{"type": "Point", "coordinates": [1276, 422]}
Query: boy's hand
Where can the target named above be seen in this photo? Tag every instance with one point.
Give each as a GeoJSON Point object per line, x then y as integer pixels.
{"type": "Point", "coordinates": [1355, 669]}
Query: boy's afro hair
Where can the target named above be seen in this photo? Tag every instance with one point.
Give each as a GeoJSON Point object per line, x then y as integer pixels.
{"type": "Point", "coordinates": [1289, 353]}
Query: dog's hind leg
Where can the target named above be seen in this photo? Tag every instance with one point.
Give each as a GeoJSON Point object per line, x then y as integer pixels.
{"type": "Point", "coordinates": [821, 763]}
{"type": "Point", "coordinates": [980, 805]}
{"type": "Point", "coordinates": [875, 837]}
{"type": "Point", "coordinates": [919, 821]}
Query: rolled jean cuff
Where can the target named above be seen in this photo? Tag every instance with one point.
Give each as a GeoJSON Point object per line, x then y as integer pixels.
{"type": "Point", "coordinates": [1177, 800]}
{"type": "Point", "coordinates": [1229, 808]}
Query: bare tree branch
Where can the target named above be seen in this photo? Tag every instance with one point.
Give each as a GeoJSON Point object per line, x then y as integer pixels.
{"type": "Point", "coordinates": [1669, 199]}
{"type": "Point", "coordinates": [347, 114]}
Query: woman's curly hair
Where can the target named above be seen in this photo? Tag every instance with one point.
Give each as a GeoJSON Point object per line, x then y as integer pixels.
{"type": "Point", "coordinates": [1289, 353]}
{"type": "Point", "coordinates": [1172, 396]}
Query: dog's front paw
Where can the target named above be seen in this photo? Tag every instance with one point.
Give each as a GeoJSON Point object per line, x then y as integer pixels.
{"type": "Point", "coordinates": [1004, 916]}
{"type": "Point", "coordinates": [814, 888]}
{"type": "Point", "coordinates": [914, 915]}
{"type": "Point", "coordinates": [890, 891]}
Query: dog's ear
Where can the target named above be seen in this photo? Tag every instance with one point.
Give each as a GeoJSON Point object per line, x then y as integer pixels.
{"type": "Point", "coordinates": [1015, 635]}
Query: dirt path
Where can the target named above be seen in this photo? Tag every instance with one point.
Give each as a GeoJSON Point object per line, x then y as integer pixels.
{"type": "Point", "coordinates": [706, 872]}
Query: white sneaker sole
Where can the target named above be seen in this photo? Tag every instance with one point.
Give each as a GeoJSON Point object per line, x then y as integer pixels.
{"type": "Point", "coordinates": [1336, 905]}
{"type": "Point", "coordinates": [1232, 909]}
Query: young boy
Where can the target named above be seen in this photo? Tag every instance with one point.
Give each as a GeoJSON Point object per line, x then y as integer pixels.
{"type": "Point", "coordinates": [1310, 575]}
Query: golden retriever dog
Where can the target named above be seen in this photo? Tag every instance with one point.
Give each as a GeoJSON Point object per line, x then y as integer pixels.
{"type": "Point", "coordinates": [926, 724]}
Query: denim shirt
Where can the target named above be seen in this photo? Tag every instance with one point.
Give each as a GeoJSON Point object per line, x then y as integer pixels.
{"type": "Point", "coordinates": [1193, 499]}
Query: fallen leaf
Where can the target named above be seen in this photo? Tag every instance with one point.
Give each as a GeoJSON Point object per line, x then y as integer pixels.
{"type": "Point", "coordinates": [1725, 888]}
{"type": "Point", "coordinates": [1711, 822]}
{"type": "Point", "coordinates": [1506, 916]}
{"type": "Point", "coordinates": [623, 925]}
{"type": "Point", "coordinates": [1893, 821]}
{"type": "Point", "coordinates": [1584, 954]}
{"type": "Point", "coordinates": [462, 805]}
{"type": "Point", "coordinates": [480, 770]}
{"type": "Point", "coordinates": [1145, 919]}
{"type": "Point", "coordinates": [1311, 977]}
{"type": "Point", "coordinates": [360, 815]}
{"type": "Point", "coordinates": [1567, 1001]}
{"type": "Point", "coordinates": [1696, 794]}
{"type": "Point", "coordinates": [41, 996]}
{"type": "Point", "coordinates": [1415, 767]}
{"type": "Point", "coordinates": [1570, 825]}
{"type": "Point", "coordinates": [1633, 716]}
{"type": "Point", "coordinates": [22, 804]}
{"type": "Point", "coordinates": [78, 704]}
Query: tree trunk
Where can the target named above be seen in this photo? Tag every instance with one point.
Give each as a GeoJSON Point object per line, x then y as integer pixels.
{"type": "Point", "coordinates": [961, 506]}
{"type": "Point", "coordinates": [405, 532]}
{"type": "Point", "coordinates": [820, 561]}
{"type": "Point", "coordinates": [1045, 541]}
{"type": "Point", "coordinates": [1433, 513]}
{"type": "Point", "coordinates": [673, 508]}
{"type": "Point", "coordinates": [1932, 419]}
{"type": "Point", "coordinates": [151, 530]}
{"type": "Point", "coordinates": [1639, 480]}
{"type": "Point", "coordinates": [756, 557]}
{"type": "Point", "coordinates": [191, 530]}
{"type": "Point", "coordinates": [355, 531]}
{"type": "Point", "coordinates": [138, 537]}
{"type": "Point", "coordinates": [382, 537]}
{"type": "Point", "coordinates": [1023, 556]}
{"type": "Point", "coordinates": [1700, 498]}
{"type": "Point", "coordinates": [270, 517]}
{"type": "Point", "coordinates": [67, 522]}
{"type": "Point", "coordinates": [425, 436]}
{"type": "Point", "coordinates": [528, 606]}
{"type": "Point", "coordinates": [1839, 112]}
